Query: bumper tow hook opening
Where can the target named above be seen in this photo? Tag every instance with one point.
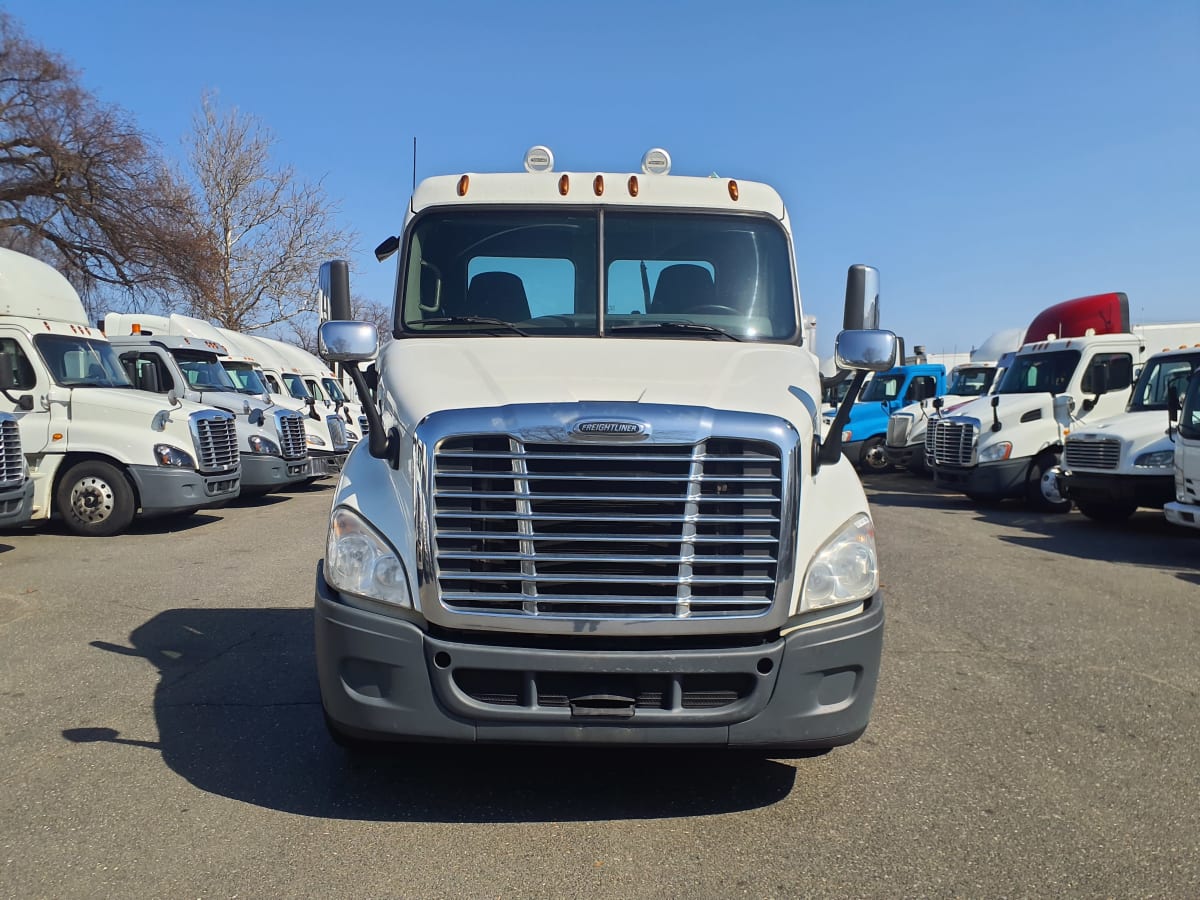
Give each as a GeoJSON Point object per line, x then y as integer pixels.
{"type": "Point", "coordinates": [610, 706]}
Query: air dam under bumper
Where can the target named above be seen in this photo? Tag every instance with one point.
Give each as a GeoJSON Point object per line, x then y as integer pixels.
{"type": "Point", "coordinates": [1140, 490]}
{"type": "Point", "coordinates": [322, 463]}
{"type": "Point", "coordinates": [261, 471]}
{"type": "Point", "coordinates": [986, 480]}
{"type": "Point", "coordinates": [16, 505]}
{"type": "Point", "coordinates": [163, 490]}
{"type": "Point", "coordinates": [1185, 514]}
{"type": "Point", "coordinates": [385, 678]}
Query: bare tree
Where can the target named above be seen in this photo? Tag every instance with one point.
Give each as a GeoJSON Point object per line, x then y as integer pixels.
{"type": "Point", "coordinates": [270, 229]}
{"type": "Point", "coordinates": [81, 187]}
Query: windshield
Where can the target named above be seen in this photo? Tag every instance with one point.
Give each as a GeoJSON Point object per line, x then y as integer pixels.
{"type": "Point", "coordinates": [1150, 392]}
{"type": "Point", "coordinates": [81, 362]}
{"type": "Point", "coordinates": [972, 382]}
{"type": "Point", "coordinates": [1040, 373]}
{"type": "Point", "coordinates": [332, 389]}
{"type": "Point", "coordinates": [203, 371]}
{"type": "Point", "coordinates": [523, 273]}
{"type": "Point", "coordinates": [295, 386]}
{"type": "Point", "coordinates": [245, 377]}
{"type": "Point", "coordinates": [314, 389]}
{"type": "Point", "coordinates": [1189, 418]}
{"type": "Point", "coordinates": [882, 388]}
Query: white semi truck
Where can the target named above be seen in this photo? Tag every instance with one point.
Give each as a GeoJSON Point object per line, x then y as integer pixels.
{"type": "Point", "coordinates": [1111, 467]}
{"type": "Point", "coordinates": [271, 440]}
{"type": "Point", "coordinates": [307, 376]}
{"type": "Point", "coordinates": [598, 504]}
{"type": "Point", "coordinates": [1184, 509]}
{"type": "Point", "coordinates": [16, 487]}
{"type": "Point", "coordinates": [1008, 444]}
{"type": "Point", "coordinates": [98, 449]}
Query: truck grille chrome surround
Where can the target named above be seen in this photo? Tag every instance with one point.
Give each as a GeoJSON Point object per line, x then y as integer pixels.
{"type": "Point", "coordinates": [951, 441]}
{"type": "Point", "coordinates": [535, 527]}
{"type": "Point", "coordinates": [337, 432]}
{"type": "Point", "coordinates": [292, 441]}
{"type": "Point", "coordinates": [364, 426]}
{"type": "Point", "coordinates": [215, 436]}
{"type": "Point", "coordinates": [11, 460]}
{"type": "Point", "coordinates": [898, 427]}
{"type": "Point", "coordinates": [1081, 453]}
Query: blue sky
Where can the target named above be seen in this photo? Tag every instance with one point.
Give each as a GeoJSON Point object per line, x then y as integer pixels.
{"type": "Point", "coordinates": [990, 159]}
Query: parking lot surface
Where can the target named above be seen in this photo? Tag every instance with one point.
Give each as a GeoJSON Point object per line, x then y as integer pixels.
{"type": "Point", "coordinates": [1036, 733]}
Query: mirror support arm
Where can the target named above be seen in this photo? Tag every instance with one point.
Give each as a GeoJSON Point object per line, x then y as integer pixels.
{"type": "Point", "coordinates": [379, 444]}
{"type": "Point", "coordinates": [831, 448]}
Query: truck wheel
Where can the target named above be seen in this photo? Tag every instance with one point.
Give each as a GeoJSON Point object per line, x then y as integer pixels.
{"type": "Point", "coordinates": [95, 499]}
{"type": "Point", "coordinates": [873, 456]}
{"type": "Point", "coordinates": [1041, 488]}
{"type": "Point", "coordinates": [1100, 511]}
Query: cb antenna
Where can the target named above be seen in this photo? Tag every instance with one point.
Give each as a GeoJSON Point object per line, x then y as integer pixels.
{"type": "Point", "coordinates": [414, 184]}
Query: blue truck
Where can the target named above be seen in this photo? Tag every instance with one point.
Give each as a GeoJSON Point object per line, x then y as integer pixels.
{"type": "Point", "coordinates": [865, 436]}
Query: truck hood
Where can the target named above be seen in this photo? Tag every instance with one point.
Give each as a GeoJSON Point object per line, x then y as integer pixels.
{"type": "Point", "coordinates": [1135, 428]}
{"type": "Point", "coordinates": [951, 403]}
{"type": "Point", "coordinates": [425, 375]}
{"type": "Point", "coordinates": [126, 400]}
{"type": "Point", "coordinates": [1011, 410]}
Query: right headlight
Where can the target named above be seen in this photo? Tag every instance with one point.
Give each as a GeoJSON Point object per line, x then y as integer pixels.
{"type": "Point", "coordinates": [359, 561]}
{"type": "Point", "coordinates": [995, 452]}
{"type": "Point", "coordinates": [845, 569]}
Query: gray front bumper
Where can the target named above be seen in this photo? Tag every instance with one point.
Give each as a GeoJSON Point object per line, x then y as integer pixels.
{"type": "Point", "coordinates": [386, 678]}
{"type": "Point", "coordinates": [16, 506]}
{"type": "Point", "coordinates": [323, 462]}
{"type": "Point", "coordinates": [262, 472]}
{"type": "Point", "coordinates": [163, 490]}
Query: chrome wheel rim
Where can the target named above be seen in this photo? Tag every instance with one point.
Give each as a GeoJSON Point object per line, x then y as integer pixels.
{"type": "Point", "coordinates": [92, 499]}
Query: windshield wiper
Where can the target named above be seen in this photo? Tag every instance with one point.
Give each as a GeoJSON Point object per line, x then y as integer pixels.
{"type": "Point", "coordinates": [679, 328]}
{"type": "Point", "coordinates": [473, 320]}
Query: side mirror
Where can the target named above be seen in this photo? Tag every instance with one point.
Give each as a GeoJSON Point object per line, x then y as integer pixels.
{"type": "Point", "coordinates": [865, 350]}
{"type": "Point", "coordinates": [862, 299]}
{"type": "Point", "coordinates": [147, 379]}
{"type": "Point", "coordinates": [921, 390]}
{"type": "Point", "coordinates": [1064, 406]}
{"type": "Point", "coordinates": [334, 287]}
{"type": "Point", "coordinates": [1099, 378]}
{"type": "Point", "coordinates": [348, 342]}
{"type": "Point", "coordinates": [7, 365]}
{"type": "Point", "coordinates": [1173, 404]}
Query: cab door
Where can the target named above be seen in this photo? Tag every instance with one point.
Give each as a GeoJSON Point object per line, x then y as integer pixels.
{"type": "Point", "coordinates": [32, 381]}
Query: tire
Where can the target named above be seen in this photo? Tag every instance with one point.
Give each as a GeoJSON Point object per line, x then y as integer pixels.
{"type": "Point", "coordinates": [1040, 491]}
{"type": "Point", "coordinates": [873, 456]}
{"type": "Point", "coordinates": [1102, 511]}
{"type": "Point", "coordinates": [95, 499]}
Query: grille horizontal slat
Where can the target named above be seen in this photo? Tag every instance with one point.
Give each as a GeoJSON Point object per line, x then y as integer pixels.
{"type": "Point", "coordinates": [293, 443]}
{"type": "Point", "coordinates": [1101, 454]}
{"type": "Point", "coordinates": [11, 459]}
{"type": "Point", "coordinates": [949, 442]}
{"type": "Point", "coordinates": [659, 531]}
{"type": "Point", "coordinates": [215, 436]}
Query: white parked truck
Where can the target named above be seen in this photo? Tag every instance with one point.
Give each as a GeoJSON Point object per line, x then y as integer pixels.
{"type": "Point", "coordinates": [270, 438]}
{"type": "Point", "coordinates": [1008, 444]}
{"type": "Point", "coordinates": [597, 503]}
{"type": "Point", "coordinates": [324, 429]}
{"type": "Point", "coordinates": [1184, 509]}
{"type": "Point", "coordinates": [16, 487]}
{"type": "Point", "coordinates": [307, 376]}
{"type": "Point", "coordinates": [98, 449]}
{"type": "Point", "coordinates": [1111, 467]}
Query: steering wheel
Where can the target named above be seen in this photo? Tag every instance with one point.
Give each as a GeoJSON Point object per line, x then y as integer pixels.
{"type": "Point", "coordinates": [715, 308]}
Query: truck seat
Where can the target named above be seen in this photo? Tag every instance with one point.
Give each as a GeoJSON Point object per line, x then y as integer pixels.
{"type": "Point", "coordinates": [682, 287]}
{"type": "Point", "coordinates": [497, 295]}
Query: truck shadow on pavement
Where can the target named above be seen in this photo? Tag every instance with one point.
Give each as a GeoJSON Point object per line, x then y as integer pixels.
{"type": "Point", "coordinates": [238, 715]}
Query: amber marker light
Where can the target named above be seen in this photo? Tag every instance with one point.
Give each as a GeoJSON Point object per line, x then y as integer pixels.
{"type": "Point", "coordinates": [57, 436]}
{"type": "Point", "coordinates": [464, 185]}
{"type": "Point", "coordinates": [598, 185]}
{"type": "Point", "coordinates": [564, 185]}
{"type": "Point", "coordinates": [733, 190]}
{"type": "Point", "coordinates": [633, 186]}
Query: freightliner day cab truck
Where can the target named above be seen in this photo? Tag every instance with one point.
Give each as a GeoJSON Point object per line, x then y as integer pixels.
{"type": "Point", "coordinates": [324, 430]}
{"type": "Point", "coordinates": [1113, 466]}
{"type": "Point", "coordinates": [308, 375]}
{"type": "Point", "coordinates": [1185, 508]}
{"type": "Point", "coordinates": [1076, 367]}
{"type": "Point", "coordinates": [270, 438]}
{"type": "Point", "coordinates": [98, 449]}
{"type": "Point", "coordinates": [596, 502]}
{"type": "Point", "coordinates": [16, 487]}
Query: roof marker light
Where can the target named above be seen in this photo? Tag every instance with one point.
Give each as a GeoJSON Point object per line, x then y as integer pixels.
{"type": "Point", "coordinates": [598, 185]}
{"type": "Point", "coordinates": [136, 328]}
{"type": "Point", "coordinates": [464, 184]}
{"type": "Point", "coordinates": [564, 184]}
{"type": "Point", "coordinates": [656, 162]}
{"type": "Point", "coordinates": [633, 186]}
{"type": "Point", "coordinates": [733, 189]}
{"type": "Point", "coordinates": [539, 159]}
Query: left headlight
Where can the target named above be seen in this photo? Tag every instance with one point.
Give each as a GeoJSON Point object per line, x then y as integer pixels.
{"type": "Point", "coordinates": [359, 561]}
{"type": "Point", "coordinates": [260, 444]}
{"type": "Point", "coordinates": [845, 569]}
{"type": "Point", "coordinates": [166, 455]}
{"type": "Point", "coordinates": [1160, 459]}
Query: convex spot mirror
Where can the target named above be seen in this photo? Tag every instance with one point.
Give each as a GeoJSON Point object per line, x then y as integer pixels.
{"type": "Point", "coordinates": [343, 341]}
{"type": "Point", "coordinates": [865, 350]}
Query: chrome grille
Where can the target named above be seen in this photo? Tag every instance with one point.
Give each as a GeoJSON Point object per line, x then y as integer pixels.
{"type": "Point", "coordinates": [337, 432]}
{"type": "Point", "coordinates": [292, 441]}
{"type": "Point", "coordinates": [215, 437]}
{"type": "Point", "coordinates": [1085, 454]}
{"type": "Point", "coordinates": [11, 468]}
{"type": "Point", "coordinates": [606, 530]}
{"type": "Point", "coordinates": [897, 429]}
{"type": "Point", "coordinates": [950, 442]}
{"type": "Point", "coordinates": [364, 426]}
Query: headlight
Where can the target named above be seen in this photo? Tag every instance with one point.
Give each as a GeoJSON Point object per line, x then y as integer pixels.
{"type": "Point", "coordinates": [995, 452]}
{"type": "Point", "coordinates": [1160, 459]}
{"type": "Point", "coordinates": [359, 561]}
{"type": "Point", "coordinates": [259, 444]}
{"type": "Point", "coordinates": [316, 440]}
{"type": "Point", "coordinates": [166, 455]}
{"type": "Point", "coordinates": [845, 569]}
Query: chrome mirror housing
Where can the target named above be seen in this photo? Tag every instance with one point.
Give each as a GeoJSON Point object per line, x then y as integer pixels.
{"type": "Point", "coordinates": [867, 350]}
{"type": "Point", "coordinates": [343, 341]}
